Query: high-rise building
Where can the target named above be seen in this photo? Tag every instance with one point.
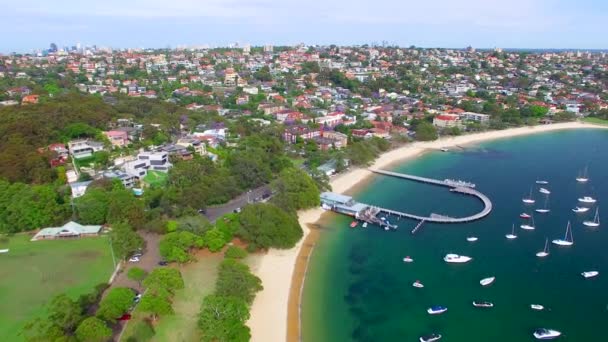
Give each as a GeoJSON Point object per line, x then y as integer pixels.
{"type": "Point", "coordinates": [268, 48]}
{"type": "Point", "coordinates": [53, 47]}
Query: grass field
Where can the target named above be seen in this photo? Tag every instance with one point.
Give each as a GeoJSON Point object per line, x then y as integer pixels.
{"type": "Point", "coordinates": [156, 178]}
{"type": "Point", "coordinates": [595, 121]}
{"type": "Point", "coordinates": [33, 272]}
{"type": "Point", "coordinates": [199, 281]}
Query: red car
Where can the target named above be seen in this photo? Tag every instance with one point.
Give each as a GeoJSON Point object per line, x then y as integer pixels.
{"type": "Point", "coordinates": [125, 317]}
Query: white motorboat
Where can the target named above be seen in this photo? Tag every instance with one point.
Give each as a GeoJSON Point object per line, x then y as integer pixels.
{"type": "Point", "coordinates": [580, 210]}
{"type": "Point", "coordinates": [546, 334]}
{"type": "Point", "coordinates": [436, 310]}
{"type": "Point", "coordinates": [418, 284]}
{"type": "Point", "coordinates": [512, 235]}
{"type": "Point", "coordinates": [455, 258]}
{"type": "Point", "coordinates": [583, 178]}
{"type": "Point", "coordinates": [545, 250]}
{"type": "Point", "coordinates": [364, 225]}
{"type": "Point", "coordinates": [472, 238]}
{"type": "Point", "coordinates": [537, 307]}
{"type": "Point", "coordinates": [430, 338]}
{"type": "Point", "coordinates": [524, 216]}
{"type": "Point", "coordinates": [567, 240]}
{"type": "Point", "coordinates": [528, 226]}
{"type": "Point", "coordinates": [408, 259]}
{"type": "Point", "coordinates": [529, 199]}
{"type": "Point", "coordinates": [482, 304]}
{"type": "Point", "coordinates": [445, 149]}
{"type": "Point", "coordinates": [487, 281]}
{"type": "Point", "coordinates": [544, 191]}
{"type": "Point", "coordinates": [596, 220]}
{"type": "Point", "coordinates": [590, 274]}
{"type": "Point", "coordinates": [587, 199]}
{"type": "Point", "coordinates": [543, 182]}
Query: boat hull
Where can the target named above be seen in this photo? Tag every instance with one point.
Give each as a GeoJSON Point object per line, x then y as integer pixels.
{"type": "Point", "coordinates": [591, 224]}
{"type": "Point", "coordinates": [562, 242]}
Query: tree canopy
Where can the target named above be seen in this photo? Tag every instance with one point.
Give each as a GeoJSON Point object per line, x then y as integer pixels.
{"type": "Point", "coordinates": [294, 190]}
{"type": "Point", "coordinates": [117, 301]}
{"type": "Point", "coordinates": [223, 319]}
{"type": "Point", "coordinates": [93, 329]}
{"type": "Point", "coordinates": [266, 225]}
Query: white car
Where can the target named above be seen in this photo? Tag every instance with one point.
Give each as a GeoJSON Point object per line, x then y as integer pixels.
{"type": "Point", "coordinates": [134, 259]}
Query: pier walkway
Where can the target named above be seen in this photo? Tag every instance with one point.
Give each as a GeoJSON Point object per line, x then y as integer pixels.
{"type": "Point", "coordinates": [455, 186]}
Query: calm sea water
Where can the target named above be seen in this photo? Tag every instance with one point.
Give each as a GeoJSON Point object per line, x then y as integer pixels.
{"type": "Point", "coordinates": [358, 288]}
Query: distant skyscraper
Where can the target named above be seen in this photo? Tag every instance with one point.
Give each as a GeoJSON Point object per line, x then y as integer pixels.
{"type": "Point", "coordinates": [53, 47]}
{"type": "Point", "coordinates": [268, 48]}
{"type": "Point", "coordinates": [247, 48]}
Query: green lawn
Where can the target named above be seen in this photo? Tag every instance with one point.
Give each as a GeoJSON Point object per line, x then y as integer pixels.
{"type": "Point", "coordinates": [199, 281]}
{"type": "Point", "coordinates": [33, 272]}
{"type": "Point", "coordinates": [156, 178]}
{"type": "Point", "coordinates": [595, 121]}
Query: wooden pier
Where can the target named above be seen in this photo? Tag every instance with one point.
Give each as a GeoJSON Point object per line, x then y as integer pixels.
{"type": "Point", "coordinates": [454, 187]}
{"type": "Point", "coordinates": [418, 226]}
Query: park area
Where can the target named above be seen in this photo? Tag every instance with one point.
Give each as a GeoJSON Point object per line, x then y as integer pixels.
{"type": "Point", "coordinates": [31, 273]}
{"type": "Point", "coordinates": [199, 281]}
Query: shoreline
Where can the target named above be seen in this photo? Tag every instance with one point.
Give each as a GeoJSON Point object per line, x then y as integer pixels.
{"type": "Point", "coordinates": [275, 313]}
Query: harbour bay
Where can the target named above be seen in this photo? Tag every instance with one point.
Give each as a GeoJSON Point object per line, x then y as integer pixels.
{"type": "Point", "coordinates": [359, 289]}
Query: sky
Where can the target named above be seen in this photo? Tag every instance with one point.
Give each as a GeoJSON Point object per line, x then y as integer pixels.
{"type": "Point", "coordinates": [34, 24]}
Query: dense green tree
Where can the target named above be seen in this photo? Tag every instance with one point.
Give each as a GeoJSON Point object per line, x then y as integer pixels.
{"type": "Point", "coordinates": [92, 207]}
{"type": "Point", "coordinates": [176, 245]}
{"type": "Point", "coordinates": [117, 301]}
{"type": "Point", "coordinates": [166, 278]}
{"type": "Point", "coordinates": [137, 274]}
{"type": "Point", "coordinates": [236, 280]}
{"type": "Point", "coordinates": [425, 131]}
{"type": "Point", "coordinates": [214, 240]}
{"type": "Point", "coordinates": [249, 168]}
{"type": "Point", "coordinates": [63, 315]}
{"type": "Point", "coordinates": [93, 329]}
{"type": "Point", "coordinates": [196, 224]}
{"type": "Point", "coordinates": [294, 190]}
{"type": "Point", "coordinates": [234, 252]}
{"type": "Point", "coordinates": [155, 304]}
{"type": "Point", "coordinates": [223, 319]}
{"type": "Point", "coordinates": [125, 240]}
{"type": "Point", "coordinates": [24, 207]}
{"type": "Point", "coordinates": [266, 225]}
{"type": "Point", "coordinates": [124, 206]}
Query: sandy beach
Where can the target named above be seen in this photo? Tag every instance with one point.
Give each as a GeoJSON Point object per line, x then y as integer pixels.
{"type": "Point", "coordinates": [275, 311]}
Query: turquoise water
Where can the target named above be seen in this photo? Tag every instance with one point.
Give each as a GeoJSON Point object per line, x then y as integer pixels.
{"type": "Point", "coordinates": [358, 288]}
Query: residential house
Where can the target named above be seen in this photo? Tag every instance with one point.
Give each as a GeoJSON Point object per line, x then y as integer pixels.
{"type": "Point", "coordinates": [30, 99]}
{"type": "Point", "coordinates": [300, 131]}
{"type": "Point", "coordinates": [198, 146]}
{"type": "Point", "coordinates": [118, 138]}
{"type": "Point", "coordinates": [84, 148]}
{"type": "Point", "coordinates": [331, 139]}
{"type": "Point", "coordinates": [156, 161]}
{"type": "Point", "coordinates": [79, 188]}
{"type": "Point", "coordinates": [481, 118]}
{"type": "Point", "coordinates": [447, 120]}
{"type": "Point", "coordinates": [127, 180]}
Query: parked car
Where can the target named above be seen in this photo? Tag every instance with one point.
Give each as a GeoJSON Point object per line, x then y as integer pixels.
{"type": "Point", "coordinates": [124, 317]}
{"type": "Point", "coordinates": [163, 263]}
{"type": "Point", "coordinates": [134, 259]}
{"type": "Point", "coordinates": [137, 298]}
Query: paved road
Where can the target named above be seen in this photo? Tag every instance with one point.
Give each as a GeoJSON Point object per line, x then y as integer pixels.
{"type": "Point", "coordinates": [255, 195]}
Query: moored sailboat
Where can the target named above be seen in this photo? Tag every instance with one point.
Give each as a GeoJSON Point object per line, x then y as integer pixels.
{"type": "Point", "coordinates": [546, 207]}
{"type": "Point", "coordinates": [596, 220]}
{"type": "Point", "coordinates": [567, 240]}
{"type": "Point", "coordinates": [545, 250]}
{"type": "Point", "coordinates": [583, 178]}
{"type": "Point", "coordinates": [528, 226]}
{"type": "Point", "coordinates": [529, 199]}
{"type": "Point", "coordinates": [512, 235]}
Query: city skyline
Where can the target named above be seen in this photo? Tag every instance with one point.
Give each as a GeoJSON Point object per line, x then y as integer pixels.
{"type": "Point", "coordinates": [538, 24]}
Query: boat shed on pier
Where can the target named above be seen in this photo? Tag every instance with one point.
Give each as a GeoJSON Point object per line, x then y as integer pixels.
{"type": "Point", "coordinates": [342, 203]}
